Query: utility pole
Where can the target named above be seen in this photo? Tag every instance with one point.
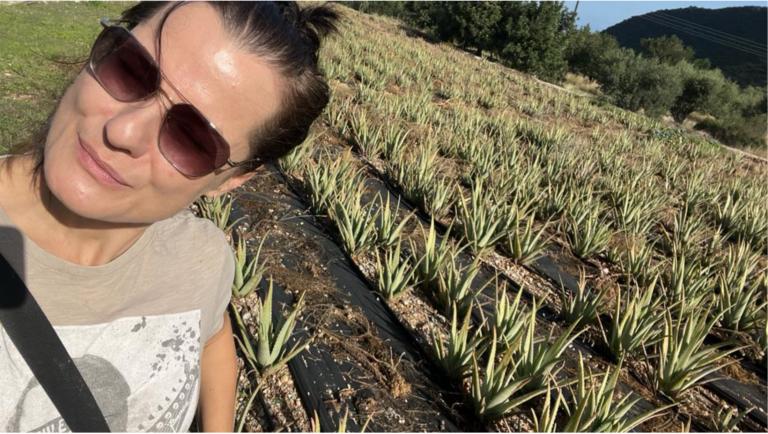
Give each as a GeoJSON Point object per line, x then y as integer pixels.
{"type": "Point", "coordinates": [576, 9]}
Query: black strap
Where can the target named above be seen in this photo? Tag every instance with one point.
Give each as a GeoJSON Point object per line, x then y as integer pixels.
{"type": "Point", "coordinates": [38, 343]}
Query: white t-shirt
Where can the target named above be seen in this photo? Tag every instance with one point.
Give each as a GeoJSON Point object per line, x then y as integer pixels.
{"type": "Point", "coordinates": [134, 327]}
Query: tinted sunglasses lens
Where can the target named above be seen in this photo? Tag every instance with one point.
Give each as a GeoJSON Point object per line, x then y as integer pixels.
{"type": "Point", "coordinates": [190, 143]}
{"type": "Point", "coordinates": [123, 66]}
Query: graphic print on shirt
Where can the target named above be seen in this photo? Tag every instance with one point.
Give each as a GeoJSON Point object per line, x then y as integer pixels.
{"type": "Point", "coordinates": [142, 371]}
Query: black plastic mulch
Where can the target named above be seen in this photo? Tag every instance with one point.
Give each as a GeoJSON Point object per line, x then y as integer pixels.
{"type": "Point", "coordinates": [544, 313]}
{"type": "Point", "coordinates": [743, 395]}
{"type": "Point", "coordinates": [318, 376]}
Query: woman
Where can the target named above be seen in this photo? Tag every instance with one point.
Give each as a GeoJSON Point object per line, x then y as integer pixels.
{"type": "Point", "coordinates": [190, 102]}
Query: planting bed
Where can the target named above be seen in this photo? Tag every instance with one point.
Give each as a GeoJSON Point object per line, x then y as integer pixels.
{"type": "Point", "coordinates": [698, 406]}
{"type": "Point", "coordinates": [749, 392]}
{"type": "Point", "coordinates": [360, 356]}
{"type": "Point", "coordinates": [484, 154]}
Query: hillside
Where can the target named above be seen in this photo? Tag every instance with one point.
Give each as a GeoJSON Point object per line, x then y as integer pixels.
{"type": "Point", "coordinates": [742, 30]}
{"type": "Point", "coordinates": [466, 248]}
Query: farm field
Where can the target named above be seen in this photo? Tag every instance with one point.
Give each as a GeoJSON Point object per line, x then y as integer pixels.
{"type": "Point", "coordinates": [466, 248]}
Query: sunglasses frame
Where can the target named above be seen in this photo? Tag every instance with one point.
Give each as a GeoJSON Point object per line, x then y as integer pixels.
{"type": "Point", "coordinates": [108, 23]}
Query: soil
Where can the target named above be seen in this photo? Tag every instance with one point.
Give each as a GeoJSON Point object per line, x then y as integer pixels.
{"type": "Point", "coordinates": [598, 273]}
{"type": "Point", "coordinates": [390, 390]}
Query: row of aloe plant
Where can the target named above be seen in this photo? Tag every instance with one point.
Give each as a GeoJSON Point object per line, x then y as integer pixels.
{"type": "Point", "coordinates": [590, 305]}
{"type": "Point", "coordinates": [436, 267]}
{"type": "Point", "coordinates": [451, 285]}
{"type": "Point", "coordinates": [628, 211]}
{"type": "Point", "coordinates": [587, 232]}
{"type": "Point", "coordinates": [268, 349]}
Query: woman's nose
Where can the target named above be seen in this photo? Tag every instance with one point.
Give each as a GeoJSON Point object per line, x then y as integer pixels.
{"type": "Point", "coordinates": [133, 128]}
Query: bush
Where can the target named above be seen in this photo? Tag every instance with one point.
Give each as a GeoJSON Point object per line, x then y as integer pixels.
{"type": "Point", "coordinates": [532, 37]}
{"type": "Point", "coordinates": [700, 89]}
{"type": "Point", "coordinates": [736, 130]}
{"type": "Point", "coordinates": [633, 82]}
{"type": "Point", "coordinates": [587, 52]}
{"type": "Point", "coordinates": [667, 49]}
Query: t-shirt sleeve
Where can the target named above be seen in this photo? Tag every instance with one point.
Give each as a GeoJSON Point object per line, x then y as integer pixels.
{"type": "Point", "coordinates": [222, 290]}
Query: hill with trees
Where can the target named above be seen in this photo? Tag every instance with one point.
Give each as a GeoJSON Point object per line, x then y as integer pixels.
{"type": "Point", "coordinates": [733, 39]}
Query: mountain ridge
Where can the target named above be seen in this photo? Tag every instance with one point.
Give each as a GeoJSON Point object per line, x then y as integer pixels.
{"type": "Point", "coordinates": [732, 38]}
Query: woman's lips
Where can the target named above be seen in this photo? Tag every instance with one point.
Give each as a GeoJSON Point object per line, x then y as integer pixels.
{"type": "Point", "coordinates": [97, 168]}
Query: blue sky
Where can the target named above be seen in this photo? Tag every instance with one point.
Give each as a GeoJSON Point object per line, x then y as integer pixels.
{"type": "Point", "coordinates": [603, 14]}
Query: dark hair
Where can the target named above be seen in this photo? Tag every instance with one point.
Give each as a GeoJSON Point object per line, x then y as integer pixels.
{"type": "Point", "coordinates": [282, 34]}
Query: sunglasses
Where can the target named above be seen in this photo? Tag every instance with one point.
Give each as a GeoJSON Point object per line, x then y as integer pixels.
{"type": "Point", "coordinates": [125, 69]}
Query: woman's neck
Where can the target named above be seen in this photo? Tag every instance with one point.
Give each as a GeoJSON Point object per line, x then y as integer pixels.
{"type": "Point", "coordinates": [56, 229]}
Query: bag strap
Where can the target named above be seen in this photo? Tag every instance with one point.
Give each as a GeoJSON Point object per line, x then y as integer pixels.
{"type": "Point", "coordinates": [37, 341]}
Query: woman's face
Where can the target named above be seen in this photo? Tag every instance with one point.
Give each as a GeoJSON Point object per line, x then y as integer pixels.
{"type": "Point", "coordinates": [233, 89]}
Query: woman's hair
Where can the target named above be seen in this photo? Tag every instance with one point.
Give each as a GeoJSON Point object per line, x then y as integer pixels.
{"type": "Point", "coordinates": [280, 33]}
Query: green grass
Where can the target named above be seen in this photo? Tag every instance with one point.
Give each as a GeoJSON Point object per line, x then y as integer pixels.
{"type": "Point", "coordinates": [31, 34]}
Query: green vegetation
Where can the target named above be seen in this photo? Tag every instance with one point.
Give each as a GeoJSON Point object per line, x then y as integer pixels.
{"type": "Point", "coordinates": [658, 75]}
{"type": "Point", "coordinates": [217, 210]}
{"type": "Point", "coordinates": [673, 224]}
{"type": "Point", "coordinates": [247, 277]}
{"type": "Point", "coordinates": [35, 37]}
{"type": "Point", "coordinates": [745, 26]}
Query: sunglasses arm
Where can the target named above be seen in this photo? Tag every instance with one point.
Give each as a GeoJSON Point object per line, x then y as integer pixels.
{"type": "Point", "coordinates": [106, 22]}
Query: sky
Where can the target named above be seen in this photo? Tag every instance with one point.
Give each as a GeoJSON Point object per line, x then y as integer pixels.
{"type": "Point", "coordinates": [603, 14]}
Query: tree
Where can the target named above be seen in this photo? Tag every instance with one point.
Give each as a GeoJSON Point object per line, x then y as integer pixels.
{"type": "Point", "coordinates": [424, 15]}
{"type": "Point", "coordinates": [700, 89]}
{"type": "Point", "coordinates": [476, 23]}
{"type": "Point", "coordinates": [667, 49]}
{"type": "Point", "coordinates": [634, 82]}
{"type": "Point", "coordinates": [533, 36]}
{"type": "Point", "coordinates": [587, 52]}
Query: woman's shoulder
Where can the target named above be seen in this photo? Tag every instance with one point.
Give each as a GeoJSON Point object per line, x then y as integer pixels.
{"type": "Point", "coordinates": [186, 233]}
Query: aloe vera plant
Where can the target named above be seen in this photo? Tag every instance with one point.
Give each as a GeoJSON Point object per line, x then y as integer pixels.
{"type": "Point", "coordinates": [367, 139]}
{"type": "Point", "coordinates": [739, 306]}
{"type": "Point", "coordinates": [420, 184]}
{"type": "Point", "coordinates": [538, 358]}
{"type": "Point", "coordinates": [292, 161]}
{"type": "Point", "coordinates": [509, 320]}
{"type": "Point", "coordinates": [395, 276]}
{"type": "Point", "coordinates": [388, 231]}
{"type": "Point", "coordinates": [394, 141]}
{"type": "Point", "coordinates": [635, 209]}
{"type": "Point", "coordinates": [356, 223]}
{"type": "Point", "coordinates": [582, 307]}
{"type": "Point", "coordinates": [546, 420]}
{"type": "Point", "coordinates": [480, 222]}
{"type": "Point", "coordinates": [482, 165]}
{"type": "Point", "coordinates": [739, 263]}
{"type": "Point", "coordinates": [272, 350]}
{"type": "Point", "coordinates": [523, 243]}
{"type": "Point", "coordinates": [247, 277]}
{"type": "Point", "coordinates": [494, 395]}
{"type": "Point", "coordinates": [726, 419]}
{"type": "Point", "coordinates": [455, 286]}
{"type": "Point", "coordinates": [329, 179]}
{"type": "Point", "coordinates": [688, 280]}
{"type": "Point", "coordinates": [438, 197]}
{"type": "Point", "coordinates": [593, 408]}
{"type": "Point", "coordinates": [636, 261]}
{"type": "Point", "coordinates": [555, 198]}
{"type": "Point", "coordinates": [681, 361]}
{"type": "Point", "coordinates": [433, 258]}
{"type": "Point", "coordinates": [761, 338]}
{"type": "Point", "coordinates": [637, 322]}
{"type": "Point", "coordinates": [587, 232]}
{"type": "Point", "coordinates": [218, 211]}
{"type": "Point", "coordinates": [455, 359]}
{"type": "Point", "coordinates": [687, 232]}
